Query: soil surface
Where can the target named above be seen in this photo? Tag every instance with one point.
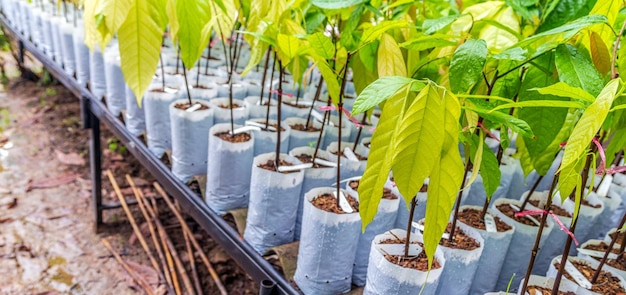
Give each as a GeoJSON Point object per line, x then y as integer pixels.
{"type": "Point", "coordinates": [239, 137]}
{"type": "Point", "coordinates": [602, 246]}
{"type": "Point", "coordinates": [545, 291]}
{"type": "Point", "coordinates": [47, 239]}
{"type": "Point", "coordinates": [510, 212]}
{"type": "Point", "coordinates": [419, 262]}
{"type": "Point", "coordinates": [606, 283]}
{"type": "Point", "coordinates": [387, 193]}
{"type": "Point", "coordinates": [301, 127]}
{"type": "Point", "coordinates": [184, 106]}
{"type": "Point", "coordinates": [460, 241]}
{"type": "Point", "coordinates": [472, 218]}
{"type": "Point", "coordinates": [271, 166]}
{"type": "Point", "coordinates": [225, 106]}
{"type": "Point", "coordinates": [304, 158]}
{"type": "Point", "coordinates": [328, 202]}
{"type": "Point", "coordinates": [553, 208]}
{"type": "Point", "coordinates": [298, 106]}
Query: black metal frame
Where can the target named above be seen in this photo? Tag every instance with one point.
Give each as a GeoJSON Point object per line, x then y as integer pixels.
{"type": "Point", "coordinates": [93, 113]}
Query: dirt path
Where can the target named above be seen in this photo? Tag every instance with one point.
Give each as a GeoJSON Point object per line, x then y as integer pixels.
{"type": "Point", "coordinates": [46, 239]}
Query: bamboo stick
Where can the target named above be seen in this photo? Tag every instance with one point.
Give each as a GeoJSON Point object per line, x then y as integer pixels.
{"type": "Point", "coordinates": [186, 229]}
{"type": "Point", "coordinates": [130, 271]}
{"type": "Point", "coordinates": [133, 223]}
{"type": "Point", "coordinates": [153, 234]}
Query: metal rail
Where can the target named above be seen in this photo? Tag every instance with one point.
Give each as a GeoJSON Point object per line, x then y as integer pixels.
{"type": "Point", "coordinates": [93, 113]}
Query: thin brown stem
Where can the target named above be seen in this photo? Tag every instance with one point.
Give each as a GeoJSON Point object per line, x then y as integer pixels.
{"type": "Point", "coordinates": [408, 227]}
{"type": "Point", "coordinates": [187, 86]}
{"type": "Point", "coordinates": [614, 72]}
{"type": "Point", "coordinates": [279, 114]}
{"type": "Point", "coordinates": [608, 251]}
{"type": "Point", "coordinates": [358, 134]}
{"type": "Point", "coordinates": [318, 91]}
{"type": "Point", "coordinates": [457, 206]}
{"type": "Point", "coordinates": [530, 193]}
{"type": "Point", "coordinates": [263, 79]}
{"type": "Point", "coordinates": [535, 250]}
{"type": "Point", "coordinates": [568, 242]}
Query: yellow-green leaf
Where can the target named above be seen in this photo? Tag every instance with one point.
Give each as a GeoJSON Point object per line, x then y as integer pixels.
{"type": "Point", "coordinates": [91, 29]}
{"type": "Point", "coordinates": [114, 13]}
{"type": "Point", "coordinates": [499, 39]}
{"type": "Point", "coordinates": [390, 60]}
{"type": "Point", "coordinates": [419, 141]}
{"type": "Point", "coordinates": [140, 45]}
{"type": "Point", "coordinates": [288, 47]}
{"type": "Point", "coordinates": [445, 179]}
{"type": "Point", "coordinates": [610, 9]}
{"type": "Point", "coordinates": [584, 131]}
{"type": "Point", "coordinates": [193, 16]}
{"type": "Point", "coordinates": [380, 158]}
{"type": "Point", "coordinates": [563, 89]}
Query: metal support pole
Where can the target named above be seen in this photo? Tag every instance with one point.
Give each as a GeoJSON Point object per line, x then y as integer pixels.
{"type": "Point", "coordinates": [20, 52]}
{"type": "Point", "coordinates": [95, 162]}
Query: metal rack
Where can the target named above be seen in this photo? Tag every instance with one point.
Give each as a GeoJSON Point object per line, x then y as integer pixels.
{"type": "Point", "coordinates": [93, 114]}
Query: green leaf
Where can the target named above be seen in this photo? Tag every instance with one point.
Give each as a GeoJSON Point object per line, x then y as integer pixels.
{"type": "Point", "coordinates": [589, 123]}
{"type": "Point", "coordinates": [427, 42]}
{"type": "Point", "coordinates": [577, 70]}
{"type": "Point", "coordinates": [541, 103]}
{"type": "Point", "coordinates": [193, 16]}
{"type": "Point", "coordinates": [515, 53]}
{"type": "Point", "coordinates": [390, 60]}
{"type": "Point", "coordinates": [524, 157]}
{"type": "Point", "coordinates": [502, 30]}
{"type": "Point", "coordinates": [490, 171]}
{"type": "Point", "coordinates": [565, 11]}
{"type": "Point", "coordinates": [568, 30]}
{"type": "Point", "coordinates": [368, 54]}
{"type": "Point", "coordinates": [322, 45]}
{"type": "Point", "coordinates": [140, 45]}
{"type": "Point", "coordinates": [445, 179]}
{"type": "Point", "coordinates": [348, 37]}
{"type": "Point", "coordinates": [365, 78]}
{"type": "Point", "coordinates": [372, 33]}
{"type": "Point", "coordinates": [467, 65]}
{"type": "Point", "coordinates": [433, 25]}
{"type": "Point", "coordinates": [563, 89]}
{"type": "Point", "coordinates": [545, 122]}
{"type": "Point", "coordinates": [379, 91]}
{"type": "Point", "coordinates": [314, 21]}
{"type": "Point", "coordinates": [379, 158]}
{"type": "Point", "coordinates": [419, 141]}
{"type": "Point", "coordinates": [517, 125]}
{"type": "Point", "coordinates": [335, 4]}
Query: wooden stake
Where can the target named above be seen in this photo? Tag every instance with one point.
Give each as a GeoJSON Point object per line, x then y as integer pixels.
{"type": "Point", "coordinates": [131, 219]}
{"type": "Point", "coordinates": [129, 270]}
{"type": "Point", "coordinates": [187, 231]}
{"type": "Point", "coordinates": [153, 234]}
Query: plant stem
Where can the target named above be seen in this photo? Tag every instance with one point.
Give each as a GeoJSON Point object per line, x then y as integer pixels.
{"type": "Point", "coordinates": [208, 60]}
{"type": "Point", "coordinates": [358, 133]}
{"type": "Point", "coordinates": [606, 254]}
{"type": "Point", "coordinates": [530, 193]}
{"type": "Point", "coordinates": [319, 137]}
{"type": "Point", "coordinates": [198, 73]}
{"type": "Point", "coordinates": [533, 256]}
{"type": "Point", "coordinates": [269, 93]}
{"type": "Point", "coordinates": [340, 111]}
{"type": "Point", "coordinates": [187, 87]}
{"type": "Point", "coordinates": [279, 115]}
{"type": "Point", "coordinates": [623, 243]}
{"type": "Point", "coordinates": [267, 59]}
{"type": "Point", "coordinates": [162, 72]}
{"type": "Point", "coordinates": [318, 91]}
{"type": "Point", "coordinates": [614, 72]}
{"type": "Point", "coordinates": [458, 199]}
{"type": "Point", "coordinates": [408, 227]}
{"type": "Point", "coordinates": [568, 242]}
{"type": "Point", "coordinates": [177, 58]}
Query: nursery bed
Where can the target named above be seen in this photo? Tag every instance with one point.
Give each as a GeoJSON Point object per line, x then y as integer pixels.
{"type": "Point", "coordinates": [93, 113]}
